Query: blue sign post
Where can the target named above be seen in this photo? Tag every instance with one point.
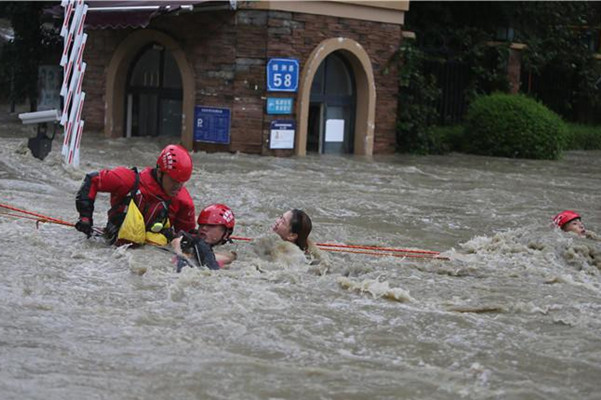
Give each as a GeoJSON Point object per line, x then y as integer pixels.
{"type": "Point", "coordinates": [212, 124]}
{"type": "Point", "coordinates": [282, 75]}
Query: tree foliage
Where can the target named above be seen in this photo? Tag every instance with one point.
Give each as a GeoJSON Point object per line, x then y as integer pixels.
{"type": "Point", "coordinates": [418, 94]}
{"type": "Point", "coordinates": [561, 39]}
{"type": "Point", "coordinates": [463, 32]}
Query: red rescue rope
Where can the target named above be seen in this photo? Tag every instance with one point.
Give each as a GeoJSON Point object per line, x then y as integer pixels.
{"type": "Point", "coordinates": [350, 246]}
{"type": "Point", "coordinates": [344, 248]}
{"type": "Point", "coordinates": [373, 253]}
{"type": "Point", "coordinates": [40, 217]}
{"type": "Point", "coordinates": [22, 217]}
{"type": "Point", "coordinates": [340, 247]}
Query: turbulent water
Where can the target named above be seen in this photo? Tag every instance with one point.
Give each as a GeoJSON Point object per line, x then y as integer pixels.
{"type": "Point", "coordinates": [514, 314]}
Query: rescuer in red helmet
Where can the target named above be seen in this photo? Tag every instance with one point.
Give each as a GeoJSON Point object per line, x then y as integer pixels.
{"type": "Point", "coordinates": [215, 226]}
{"type": "Point", "coordinates": [569, 221]}
{"type": "Point", "coordinates": [155, 198]}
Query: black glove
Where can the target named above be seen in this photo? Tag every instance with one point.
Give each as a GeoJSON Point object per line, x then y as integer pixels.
{"type": "Point", "coordinates": [169, 233]}
{"type": "Point", "coordinates": [84, 225]}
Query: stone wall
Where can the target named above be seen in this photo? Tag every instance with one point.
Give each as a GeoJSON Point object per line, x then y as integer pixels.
{"type": "Point", "coordinates": [99, 50]}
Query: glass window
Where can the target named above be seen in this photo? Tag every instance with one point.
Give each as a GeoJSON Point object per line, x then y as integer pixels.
{"type": "Point", "coordinates": [147, 121]}
{"type": "Point", "coordinates": [154, 94]}
{"type": "Point", "coordinates": [338, 79]}
{"type": "Point", "coordinates": [146, 71]}
{"type": "Point", "coordinates": [171, 117]}
{"type": "Point", "coordinates": [317, 86]}
{"type": "Point", "coordinates": [171, 77]}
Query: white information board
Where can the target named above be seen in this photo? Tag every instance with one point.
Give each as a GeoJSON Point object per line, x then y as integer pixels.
{"type": "Point", "coordinates": [282, 134]}
{"type": "Point", "coordinates": [335, 130]}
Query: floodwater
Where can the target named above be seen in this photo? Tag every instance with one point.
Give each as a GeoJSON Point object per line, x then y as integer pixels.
{"type": "Point", "coordinates": [514, 314]}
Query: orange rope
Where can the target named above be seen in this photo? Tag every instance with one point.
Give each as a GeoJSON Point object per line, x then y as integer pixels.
{"type": "Point", "coordinates": [44, 217]}
{"type": "Point", "coordinates": [37, 220]}
{"type": "Point", "coordinates": [241, 238]}
{"type": "Point", "coordinates": [342, 247]}
{"type": "Point", "coordinates": [22, 216]}
{"type": "Point", "coordinates": [18, 216]}
{"type": "Point", "coordinates": [350, 246]}
{"type": "Point", "coordinates": [431, 257]}
{"type": "Point", "coordinates": [40, 217]}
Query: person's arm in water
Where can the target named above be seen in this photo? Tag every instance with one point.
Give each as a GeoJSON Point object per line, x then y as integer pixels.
{"type": "Point", "coordinates": [117, 181]}
{"type": "Point", "coordinates": [194, 251]}
{"type": "Point", "coordinates": [224, 259]}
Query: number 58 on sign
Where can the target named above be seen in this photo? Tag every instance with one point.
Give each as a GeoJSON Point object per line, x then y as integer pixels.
{"type": "Point", "coordinates": [282, 75]}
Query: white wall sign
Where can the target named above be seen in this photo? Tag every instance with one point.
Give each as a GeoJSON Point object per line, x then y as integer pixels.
{"type": "Point", "coordinates": [335, 130]}
{"type": "Point", "coordinates": [282, 134]}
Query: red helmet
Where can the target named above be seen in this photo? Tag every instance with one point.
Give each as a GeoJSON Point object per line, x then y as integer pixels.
{"type": "Point", "coordinates": [564, 217]}
{"type": "Point", "coordinates": [217, 214]}
{"type": "Point", "coordinates": [175, 161]}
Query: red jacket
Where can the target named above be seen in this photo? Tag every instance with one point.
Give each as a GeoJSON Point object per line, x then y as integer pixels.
{"type": "Point", "coordinates": [150, 197]}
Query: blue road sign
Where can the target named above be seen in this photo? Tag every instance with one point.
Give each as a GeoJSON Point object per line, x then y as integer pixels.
{"type": "Point", "coordinates": [282, 75]}
{"type": "Point", "coordinates": [279, 105]}
{"type": "Point", "coordinates": [212, 124]}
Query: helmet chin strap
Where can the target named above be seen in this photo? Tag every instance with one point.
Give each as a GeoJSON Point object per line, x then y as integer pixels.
{"type": "Point", "coordinates": [160, 176]}
{"type": "Point", "coordinates": [226, 236]}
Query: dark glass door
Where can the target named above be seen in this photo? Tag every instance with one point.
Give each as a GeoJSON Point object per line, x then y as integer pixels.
{"type": "Point", "coordinates": [332, 109]}
{"type": "Point", "coordinates": [154, 95]}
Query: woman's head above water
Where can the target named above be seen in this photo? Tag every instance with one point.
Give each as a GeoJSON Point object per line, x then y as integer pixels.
{"type": "Point", "coordinates": [294, 226]}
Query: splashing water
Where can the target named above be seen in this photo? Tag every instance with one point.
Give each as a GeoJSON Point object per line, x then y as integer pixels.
{"type": "Point", "coordinates": [515, 313]}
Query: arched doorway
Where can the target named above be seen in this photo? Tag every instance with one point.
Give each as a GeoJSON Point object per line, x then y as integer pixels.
{"type": "Point", "coordinates": [117, 82]}
{"type": "Point", "coordinates": [153, 96]}
{"type": "Point", "coordinates": [358, 134]}
{"type": "Point", "coordinates": [332, 107]}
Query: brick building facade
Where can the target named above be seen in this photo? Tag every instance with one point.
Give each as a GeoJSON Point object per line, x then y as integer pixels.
{"type": "Point", "coordinates": [222, 55]}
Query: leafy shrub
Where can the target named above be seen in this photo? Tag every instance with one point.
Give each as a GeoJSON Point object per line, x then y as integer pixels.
{"type": "Point", "coordinates": [445, 139]}
{"type": "Point", "coordinates": [418, 94]}
{"type": "Point", "coordinates": [515, 126]}
{"type": "Point", "coordinates": [583, 137]}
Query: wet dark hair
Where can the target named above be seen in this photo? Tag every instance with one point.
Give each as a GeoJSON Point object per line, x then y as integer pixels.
{"type": "Point", "coordinates": [300, 223]}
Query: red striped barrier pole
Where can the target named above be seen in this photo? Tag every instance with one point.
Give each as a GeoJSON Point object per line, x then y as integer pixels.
{"type": "Point", "coordinates": [74, 71]}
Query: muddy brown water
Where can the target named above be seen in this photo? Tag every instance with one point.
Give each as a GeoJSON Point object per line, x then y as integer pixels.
{"type": "Point", "coordinates": [514, 314]}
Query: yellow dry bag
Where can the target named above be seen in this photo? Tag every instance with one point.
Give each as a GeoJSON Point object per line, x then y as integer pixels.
{"type": "Point", "coordinates": [133, 229]}
{"type": "Point", "coordinates": [158, 239]}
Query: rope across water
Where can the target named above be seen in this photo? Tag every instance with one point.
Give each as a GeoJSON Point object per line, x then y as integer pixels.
{"type": "Point", "coordinates": [333, 247]}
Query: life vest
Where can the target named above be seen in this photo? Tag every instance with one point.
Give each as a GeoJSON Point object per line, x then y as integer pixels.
{"type": "Point", "coordinates": [126, 222]}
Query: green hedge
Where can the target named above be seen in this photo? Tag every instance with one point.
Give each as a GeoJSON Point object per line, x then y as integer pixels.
{"type": "Point", "coordinates": [583, 137]}
{"type": "Point", "coordinates": [446, 139]}
{"type": "Point", "coordinates": [451, 138]}
{"type": "Point", "coordinates": [515, 126]}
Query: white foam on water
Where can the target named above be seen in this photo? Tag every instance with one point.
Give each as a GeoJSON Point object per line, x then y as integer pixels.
{"type": "Point", "coordinates": [514, 313]}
